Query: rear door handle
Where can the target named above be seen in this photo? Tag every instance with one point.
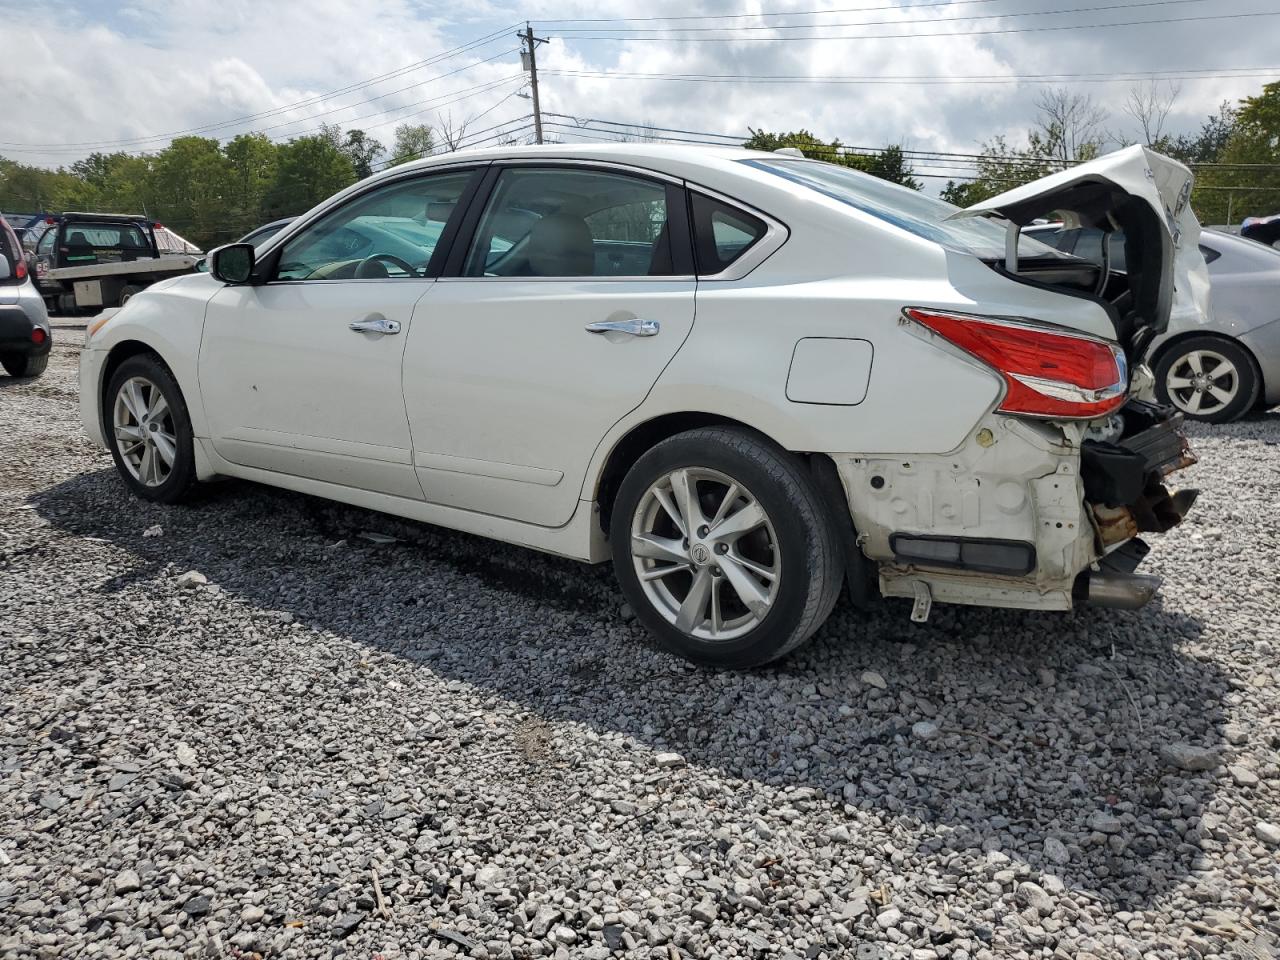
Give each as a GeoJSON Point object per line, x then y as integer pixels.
{"type": "Point", "coordinates": [375, 323]}
{"type": "Point", "coordinates": [634, 328]}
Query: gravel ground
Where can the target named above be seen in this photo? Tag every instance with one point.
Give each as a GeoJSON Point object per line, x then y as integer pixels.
{"type": "Point", "coordinates": [326, 746]}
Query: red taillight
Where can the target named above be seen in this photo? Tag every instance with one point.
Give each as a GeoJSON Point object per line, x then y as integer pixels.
{"type": "Point", "coordinates": [21, 271]}
{"type": "Point", "coordinates": [1046, 373]}
{"type": "Point", "coordinates": [38, 336]}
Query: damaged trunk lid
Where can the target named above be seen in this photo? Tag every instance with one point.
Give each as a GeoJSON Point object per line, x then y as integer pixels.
{"type": "Point", "coordinates": [1138, 192]}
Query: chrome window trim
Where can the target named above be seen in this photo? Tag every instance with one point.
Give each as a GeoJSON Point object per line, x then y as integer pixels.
{"type": "Point", "coordinates": [609, 166]}
{"type": "Point", "coordinates": [615, 279]}
{"type": "Point", "coordinates": [776, 234]}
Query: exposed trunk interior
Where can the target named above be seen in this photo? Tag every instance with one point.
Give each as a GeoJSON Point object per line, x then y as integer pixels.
{"type": "Point", "coordinates": [1139, 300]}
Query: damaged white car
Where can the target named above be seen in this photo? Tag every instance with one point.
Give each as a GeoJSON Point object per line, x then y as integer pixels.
{"type": "Point", "coordinates": [745, 378]}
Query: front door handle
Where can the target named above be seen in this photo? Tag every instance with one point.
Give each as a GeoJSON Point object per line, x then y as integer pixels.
{"type": "Point", "coordinates": [634, 328]}
{"type": "Point", "coordinates": [375, 323]}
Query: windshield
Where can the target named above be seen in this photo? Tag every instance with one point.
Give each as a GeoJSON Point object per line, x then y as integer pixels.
{"type": "Point", "coordinates": [905, 208]}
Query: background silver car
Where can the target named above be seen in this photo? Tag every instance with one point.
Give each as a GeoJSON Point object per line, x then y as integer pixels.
{"type": "Point", "coordinates": [25, 335]}
{"type": "Point", "coordinates": [1221, 370]}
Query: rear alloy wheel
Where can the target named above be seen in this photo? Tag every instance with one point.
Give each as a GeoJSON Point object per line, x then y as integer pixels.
{"type": "Point", "coordinates": [724, 549]}
{"type": "Point", "coordinates": [150, 431]}
{"type": "Point", "coordinates": [1208, 378]}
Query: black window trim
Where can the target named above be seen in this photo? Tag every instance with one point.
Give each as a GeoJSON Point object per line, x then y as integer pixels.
{"type": "Point", "coordinates": [776, 234]}
{"type": "Point", "coordinates": [677, 217]}
{"type": "Point", "coordinates": [265, 268]}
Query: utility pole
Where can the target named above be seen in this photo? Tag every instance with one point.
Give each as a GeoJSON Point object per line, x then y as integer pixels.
{"type": "Point", "coordinates": [530, 57]}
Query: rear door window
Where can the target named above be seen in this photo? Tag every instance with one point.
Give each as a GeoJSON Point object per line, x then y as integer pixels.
{"type": "Point", "coordinates": [568, 222]}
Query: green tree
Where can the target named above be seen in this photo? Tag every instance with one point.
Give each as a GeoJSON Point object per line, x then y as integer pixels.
{"type": "Point", "coordinates": [192, 184]}
{"type": "Point", "coordinates": [413, 140]}
{"type": "Point", "coordinates": [1229, 194]}
{"type": "Point", "coordinates": [308, 169]}
{"type": "Point", "coordinates": [887, 164]}
{"type": "Point", "coordinates": [362, 150]}
{"type": "Point", "coordinates": [252, 160]}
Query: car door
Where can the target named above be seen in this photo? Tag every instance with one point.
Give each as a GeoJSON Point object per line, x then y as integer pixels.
{"type": "Point", "coordinates": [574, 290]}
{"type": "Point", "coordinates": [300, 374]}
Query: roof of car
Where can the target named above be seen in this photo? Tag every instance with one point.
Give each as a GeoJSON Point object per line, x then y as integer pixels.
{"type": "Point", "coordinates": [638, 153]}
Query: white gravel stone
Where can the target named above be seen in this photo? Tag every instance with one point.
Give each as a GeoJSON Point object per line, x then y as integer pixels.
{"type": "Point", "coordinates": [888, 918]}
{"type": "Point", "coordinates": [1268, 833]}
{"type": "Point", "coordinates": [127, 881]}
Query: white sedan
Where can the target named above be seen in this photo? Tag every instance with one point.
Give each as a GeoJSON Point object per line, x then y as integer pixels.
{"type": "Point", "coordinates": [745, 378]}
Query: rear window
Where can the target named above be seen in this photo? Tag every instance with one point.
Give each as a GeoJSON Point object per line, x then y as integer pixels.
{"type": "Point", "coordinates": [90, 242]}
{"type": "Point", "coordinates": [903, 207]}
{"type": "Point", "coordinates": [722, 233]}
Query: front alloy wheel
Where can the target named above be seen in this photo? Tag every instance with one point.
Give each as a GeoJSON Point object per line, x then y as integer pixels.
{"type": "Point", "coordinates": [144, 431]}
{"type": "Point", "coordinates": [149, 430]}
{"type": "Point", "coordinates": [724, 548]}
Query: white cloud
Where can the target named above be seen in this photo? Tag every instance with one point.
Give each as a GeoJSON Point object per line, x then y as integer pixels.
{"type": "Point", "coordinates": [102, 72]}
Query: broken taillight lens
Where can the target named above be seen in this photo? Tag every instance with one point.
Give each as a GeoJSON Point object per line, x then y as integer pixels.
{"type": "Point", "coordinates": [1047, 373]}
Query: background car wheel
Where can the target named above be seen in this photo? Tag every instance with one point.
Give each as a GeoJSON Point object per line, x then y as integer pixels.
{"type": "Point", "coordinates": [21, 365]}
{"type": "Point", "coordinates": [146, 422]}
{"type": "Point", "coordinates": [1208, 378]}
{"type": "Point", "coordinates": [724, 548]}
{"type": "Point", "coordinates": [128, 292]}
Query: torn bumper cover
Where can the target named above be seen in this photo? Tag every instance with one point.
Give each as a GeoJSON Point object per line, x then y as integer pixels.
{"type": "Point", "coordinates": [1127, 494]}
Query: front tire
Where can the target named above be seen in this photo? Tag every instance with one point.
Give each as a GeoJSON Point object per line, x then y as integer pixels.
{"type": "Point", "coordinates": [1208, 378]}
{"type": "Point", "coordinates": [724, 549]}
{"type": "Point", "coordinates": [146, 422]}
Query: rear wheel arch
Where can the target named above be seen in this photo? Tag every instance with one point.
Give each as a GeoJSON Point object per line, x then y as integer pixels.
{"type": "Point", "coordinates": [1179, 338]}
{"type": "Point", "coordinates": [643, 437]}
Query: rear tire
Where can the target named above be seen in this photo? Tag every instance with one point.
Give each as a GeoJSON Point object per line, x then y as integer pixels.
{"type": "Point", "coordinates": [128, 292]}
{"type": "Point", "coordinates": [21, 365]}
{"type": "Point", "coordinates": [1208, 378]}
{"type": "Point", "coordinates": [145, 420]}
{"type": "Point", "coordinates": [754, 574]}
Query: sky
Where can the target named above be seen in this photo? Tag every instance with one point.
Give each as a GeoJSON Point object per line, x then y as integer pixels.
{"type": "Point", "coordinates": [129, 74]}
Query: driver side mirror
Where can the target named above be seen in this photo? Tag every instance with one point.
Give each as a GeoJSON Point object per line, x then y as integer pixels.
{"type": "Point", "coordinates": [232, 263]}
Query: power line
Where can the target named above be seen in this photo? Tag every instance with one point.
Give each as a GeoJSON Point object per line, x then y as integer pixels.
{"type": "Point", "coordinates": [781, 13]}
{"type": "Point", "coordinates": [928, 157]}
{"type": "Point", "coordinates": [455, 96]}
{"type": "Point", "coordinates": [949, 33]}
{"type": "Point", "coordinates": [927, 80]}
{"type": "Point", "coordinates": [879, 23]}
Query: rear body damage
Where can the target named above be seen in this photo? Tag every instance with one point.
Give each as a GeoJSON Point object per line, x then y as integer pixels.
{"type": "Point", "coordinates": [1044, 503]}
{"type": "Point", "coordinates": [1030, 515]}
